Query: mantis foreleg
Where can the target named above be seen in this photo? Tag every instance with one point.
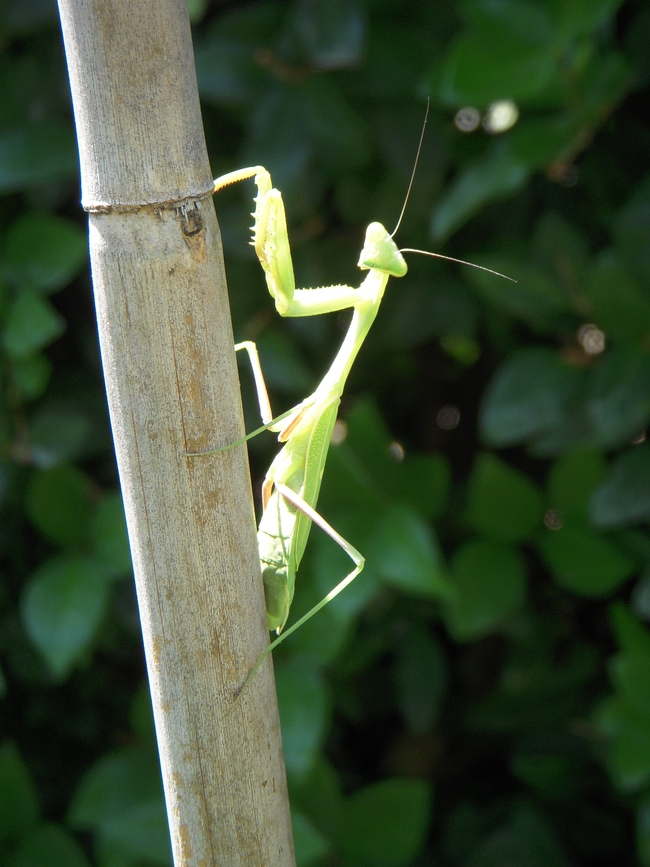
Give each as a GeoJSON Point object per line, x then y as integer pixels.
{"type": "Point", "coordinates": [258, 376]}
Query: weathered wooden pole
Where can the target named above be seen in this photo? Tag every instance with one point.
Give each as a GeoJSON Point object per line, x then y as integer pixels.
{"type": "Point", "coordinates": [167, 350]}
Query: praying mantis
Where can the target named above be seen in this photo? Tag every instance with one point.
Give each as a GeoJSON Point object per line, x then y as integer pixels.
{"type": "Point", "coordinates": [292, 483]}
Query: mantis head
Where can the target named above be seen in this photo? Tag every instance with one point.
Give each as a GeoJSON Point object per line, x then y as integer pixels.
{"type": "Point", "coordinates": [380, 252]}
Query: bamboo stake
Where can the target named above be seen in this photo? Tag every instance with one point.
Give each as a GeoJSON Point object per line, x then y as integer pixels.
{"type": "Point", "coordinates": [167, 350]}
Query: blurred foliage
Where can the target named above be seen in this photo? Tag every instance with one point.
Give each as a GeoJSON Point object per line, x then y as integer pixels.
{"type": "Point", "coordinates": [480, 696]}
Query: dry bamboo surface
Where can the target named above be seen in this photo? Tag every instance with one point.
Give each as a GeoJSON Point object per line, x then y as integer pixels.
{"type": "Point", "coordinates": [167, 349]}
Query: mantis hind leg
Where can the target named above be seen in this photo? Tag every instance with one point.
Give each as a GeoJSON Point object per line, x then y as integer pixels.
{"type": "Point", "coordinates": [357, 558]}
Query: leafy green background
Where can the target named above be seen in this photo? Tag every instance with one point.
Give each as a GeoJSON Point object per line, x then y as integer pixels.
{"type": "Point", "coordinates": [480, 696]}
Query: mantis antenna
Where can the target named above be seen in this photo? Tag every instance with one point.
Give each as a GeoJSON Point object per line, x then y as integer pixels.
{"type": "Point", "coordinates": [459, 261]}
{"type": "Point", "coordinates": [406, 199]}
{"type": "Point", "coordinates": [415, 165]}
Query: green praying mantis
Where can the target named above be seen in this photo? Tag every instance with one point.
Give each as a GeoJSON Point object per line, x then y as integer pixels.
{"type": "Point", "coordinates": [292, 484]}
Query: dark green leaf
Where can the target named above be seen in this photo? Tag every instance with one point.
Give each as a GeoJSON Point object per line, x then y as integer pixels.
{"type": "Point", "coordinates": [628, 732]}
{"type": "Point", "coordinates": [37, 154]}
{"type": "Point", "coordinates": [618, 396]}
{"type": "Point", "coordinates": [332, 33]}
{"type": "Point", "coordinates": [632, 229]}
{"type": "Point", "coordinates": [407, 555]}
{"type": "Point", "coordinates": [479, 71]}
{"type": "Point", "coordinates": [552, 774]}
{"type": "Point", "coordinates": [633, 637]}
{"type": "Point", "coordinates": [574, 17]}
{"type": "Point", "coordinates": [640, 598]}
{"type": "Point", "coordinates": [527, 839]}
{"type": "Point", "coordinates": [584, 563]}
{"type": "Point", "coordinates": [384, 825]}
{"type": "Point", "coordinates": [319, 796]}
{"type": "Point", "coordinates": [283, 365]}
{"type": "Point", "coordinates": [120, 798]}
{"type": "Point", "coordinates": [278, 139]}
{"type": "Point", "coordinates": [32, 375]}
{"type": "Point", "coordinates": [424, 483]}
{"type": "Point", "coordinates": [572, 480]}
{"type": "Point", "coordinates": [498, 175]}
{"type": "Point", "coordinates": [502, 503]}
{"type": "Point", "coordinates": [489, 584]}
{"type": "Point", "coordinates": [21, 18]}
{"type": "Point", "coordinates": [304, 714]}
{"type": "Point", "coordinates": [421, 310]}
{"type": "Point", "coordinates": [49, 845]}
{"type": "Point", "coordinates": [109, 536]}
{"type": "Point", "coordinates": [62, 606]}
{"type": "Point", "coordinates": [338, 135]}
{"type": "Point", "coordinates": [309, 843]}
{"type": "Point", "coordinates": [141, 714]}
{"type": "Point", "coordinates": [528, 397]}
{"type": "Point", "coordinates": [537, 142]}
{"type": "Point", "coordinates": [560, 244]}
{"type": "Point", "coordinates": [115, 784]}
{"type": "Point", "coordinates": [59, 432]}
{"type": "Point", "coordinates": [643, 832]}
{"type": "Point", "coordinates": [44, 251]}
{"type": "Point", "coordinates": [620, 307]}
{"type": "Point", "coordinates": [18, 798]}
{"type": "Point", "coordinates": [420, 677]}
{"type": "Point", "coordinates": [224, 71]}
{"type": "Point", "coordinates": [535, 298]}
{"type": "Point", "coordinates": [138, 835]}
{"type": "Point", "coordinates": [59, 503]}
{"type": "Point", "coordinates": [32, 323]}
{"type": "Point", "coordinates": [630, 674]}
{"type": "Point", "coordinates": [624, 497]}
{"type": "Point", "coordinates": [520, 19]}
